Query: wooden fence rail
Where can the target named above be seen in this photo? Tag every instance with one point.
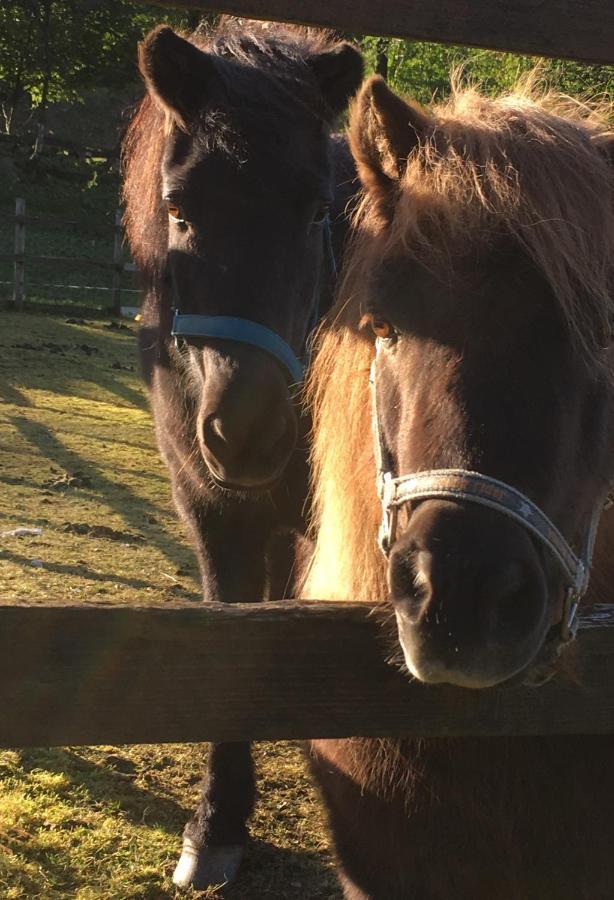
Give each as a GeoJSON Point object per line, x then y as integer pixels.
{"type": "Point", "coordinates": [575, 29]}
{"type": "Point", "coordinates": [92, 674]}
{"type": "Point", "coordinates": [83, 151]}
{"type": "Point", "coordinates": [21, 258]}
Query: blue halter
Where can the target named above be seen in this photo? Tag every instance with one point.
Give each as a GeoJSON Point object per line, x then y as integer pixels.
{"type": "Point", "coordinates": [233, 328]}
{"type": "Point", "coordinates": [246, 331]}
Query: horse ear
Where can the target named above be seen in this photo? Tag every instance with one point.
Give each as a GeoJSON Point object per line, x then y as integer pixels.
{"type": "Point", "coordinates": [606, 147]}
{"type": "Point", "coordinates": [339, 73]}
{"type": "Point", "coordinates": [175, 72]}
{"type": "Point", "coordinates": [383, 132]}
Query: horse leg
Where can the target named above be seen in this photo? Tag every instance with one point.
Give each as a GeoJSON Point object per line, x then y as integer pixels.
{"type": "Point", "coordinates": [214, 839]}
{"type": "Point", "coordinates": [232, 561]}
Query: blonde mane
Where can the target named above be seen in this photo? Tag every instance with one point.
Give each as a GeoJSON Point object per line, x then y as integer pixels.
{"type": "Point", "coordinates": [533, 167]}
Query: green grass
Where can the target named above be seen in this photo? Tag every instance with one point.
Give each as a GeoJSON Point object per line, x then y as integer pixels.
{"type": "Point", "coordinates": [77, 452]}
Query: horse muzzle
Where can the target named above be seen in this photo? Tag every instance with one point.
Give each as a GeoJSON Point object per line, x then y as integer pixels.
{"type": "Point", "coordinates": [246, 453]}
{"type": "Point", "coordinates": [470, 595]}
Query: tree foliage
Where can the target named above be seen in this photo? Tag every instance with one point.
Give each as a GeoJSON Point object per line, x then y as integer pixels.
{"type": "Point", "coordinates": [57, 50]}
{"type": "Point", "coordinates": [422, 70]}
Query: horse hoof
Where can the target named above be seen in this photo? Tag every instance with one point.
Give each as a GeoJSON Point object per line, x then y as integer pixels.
{"type": "Point", "coordinates": [202, 867]}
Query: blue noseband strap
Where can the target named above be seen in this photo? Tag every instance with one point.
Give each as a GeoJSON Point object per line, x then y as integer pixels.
{"type": "Point", "coordinates": [233, 328]}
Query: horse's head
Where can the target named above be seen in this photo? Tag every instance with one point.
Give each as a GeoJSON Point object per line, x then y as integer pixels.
{"type": "Point", "coordinates": [242, 199]}
{"type": "Point", "coordinates": [487, 253]}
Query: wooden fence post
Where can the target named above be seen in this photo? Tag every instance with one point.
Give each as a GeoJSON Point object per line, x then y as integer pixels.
{"type": "Point", "coordinates": [116, 281]}
{"type": "Point", "coordinates": [19, 292]}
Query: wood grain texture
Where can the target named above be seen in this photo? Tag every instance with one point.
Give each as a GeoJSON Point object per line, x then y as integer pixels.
{"type": "Point", "coordinates": [88, 675]}
{"type": "Point", "coordinates": [576, 29]}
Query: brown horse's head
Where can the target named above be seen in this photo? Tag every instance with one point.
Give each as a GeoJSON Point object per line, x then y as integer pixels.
{"type": "Point", "coordinates": [484, 269]}
{"type": "Point", "coordinates": [228, 183]}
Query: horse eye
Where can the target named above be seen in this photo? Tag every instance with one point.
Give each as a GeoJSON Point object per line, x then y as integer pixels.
{"type": "Point", "coordinates": [322, 214]}
{"type": "Point", "coordinates": [174, 213]}
{"type": "Point", "coordinates": [381, 327]}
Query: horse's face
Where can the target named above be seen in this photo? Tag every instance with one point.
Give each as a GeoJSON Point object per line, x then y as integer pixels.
{"type": "Point", "coordinates": [477, 371]}
{"type": "Point", "coordinates": [246, 184]}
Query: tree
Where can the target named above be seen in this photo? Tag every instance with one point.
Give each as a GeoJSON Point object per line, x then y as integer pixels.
{"type": "Point", "coordinates": [58, 50]}
{"type": "Point", "coordinates": [422, 70]}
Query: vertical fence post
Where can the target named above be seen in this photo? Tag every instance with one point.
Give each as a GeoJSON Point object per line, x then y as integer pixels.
{"type": "Point", "coordinates": [117, 260]}
{"type": "Point", "coordinates": [19, 291]}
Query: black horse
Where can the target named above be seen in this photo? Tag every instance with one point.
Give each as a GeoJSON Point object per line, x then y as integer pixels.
{"type": "Point", "coordinates": [236, 206]}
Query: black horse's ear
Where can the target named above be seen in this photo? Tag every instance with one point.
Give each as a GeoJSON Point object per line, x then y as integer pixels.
{"type": "Point", "coordinates": [339, 73]}
{"type": "Point", "coordinates": [176, 73]}
{"type": "Point", "coordinates": [383, 132]}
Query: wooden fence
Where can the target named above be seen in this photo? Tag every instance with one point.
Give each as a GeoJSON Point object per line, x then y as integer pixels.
{"type": "Point", "coordinates": [291, 670]}
{"type": "Point", "coordinates": [573, 29]}
{"type": "Point", "coordinates": [77, 150]}
{"type": "Point", "coordinates": [20, 258]}
{"type": "Point", "coordinates": [87, 674]}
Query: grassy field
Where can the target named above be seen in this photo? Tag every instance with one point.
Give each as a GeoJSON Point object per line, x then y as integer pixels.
{"type": "Point", "coordinates": [78, 461]}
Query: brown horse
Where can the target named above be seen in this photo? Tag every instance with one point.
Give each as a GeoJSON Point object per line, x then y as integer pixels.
{"type": "Point", "coordinates": [479, 296]}
{"type": "Point", "coordinates": [235, 190]}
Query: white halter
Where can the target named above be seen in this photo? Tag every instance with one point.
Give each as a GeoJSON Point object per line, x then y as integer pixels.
{"type": "Point", "coordinates": [473, 487]}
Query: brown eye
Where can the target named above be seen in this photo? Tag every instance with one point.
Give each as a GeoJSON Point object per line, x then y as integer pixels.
{"type": "Point", "coordinates": [381, 327]}
{"type": "Point", "coordinates": [174, 213]}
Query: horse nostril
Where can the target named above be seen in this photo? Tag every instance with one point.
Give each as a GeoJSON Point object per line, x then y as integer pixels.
{"type": "Point", "coordinates": [244, 449]}
{"type": "Point", "coordinates": [218, 439]}
{"type": "Point", "coordinates": [273, 432]}
{"type": "Point", "coordinates": [514, 595]}
{"type": "Point", "coordinates": [217, 428]}
{"type": "Point", "coordinates": [410, 585]}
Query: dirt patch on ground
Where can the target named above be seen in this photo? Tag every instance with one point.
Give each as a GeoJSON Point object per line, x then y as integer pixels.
{"type": "Point", "coordinates": [102, 531]}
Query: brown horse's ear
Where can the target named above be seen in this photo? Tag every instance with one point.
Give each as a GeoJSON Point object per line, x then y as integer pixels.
{"type": "Point", "coordinates": [383, 132]}
{"type": "Point", "coordinates": [339, 73]}
{"type": "Point", "coordinates": [175, 72]}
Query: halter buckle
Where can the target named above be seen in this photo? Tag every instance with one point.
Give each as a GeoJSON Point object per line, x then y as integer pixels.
{"type": "Point", "coordinates": [387, 529]}
{"type": "Point", "coordinates": [570, 621]}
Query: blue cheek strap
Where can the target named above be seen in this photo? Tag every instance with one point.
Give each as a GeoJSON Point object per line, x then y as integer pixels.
{"type": "Point", "coordinates": [233, 328]}
{"type": "Point", "coordinates": [245, 331]}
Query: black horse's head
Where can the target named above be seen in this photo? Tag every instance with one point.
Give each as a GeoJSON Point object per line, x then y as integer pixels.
{"type": "Point", "coordinates": [244, 187]}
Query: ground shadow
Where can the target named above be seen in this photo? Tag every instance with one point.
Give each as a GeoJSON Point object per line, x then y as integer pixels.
{"type": "Point", "coordinates": [104, 784]}
{"type": "Point", "coordinates": [132, 508]}
{"type": "Point", "coordinates": [10, 394]}
{"type": "Point", "coordinates": [282, 874]}
{"type": "Point", "coordinates": [179, 593]}
{"type": "Point", "coordinates": [131, 396]}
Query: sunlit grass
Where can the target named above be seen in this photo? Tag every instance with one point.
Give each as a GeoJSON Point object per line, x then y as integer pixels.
{"type": "Point", "coordinates": [77, 449]}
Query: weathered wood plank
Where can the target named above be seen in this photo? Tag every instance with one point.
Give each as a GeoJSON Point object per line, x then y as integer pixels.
{"type": "Point", "coordinates": [576, 29]}
{"type": "Point", "coordinates": [73, 675]}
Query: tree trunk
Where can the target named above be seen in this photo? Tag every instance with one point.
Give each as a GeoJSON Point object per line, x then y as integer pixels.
{"type": "Point", "coordinates": [17, 92]}
{"type": "Point", "coordinates": [42, 107]}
